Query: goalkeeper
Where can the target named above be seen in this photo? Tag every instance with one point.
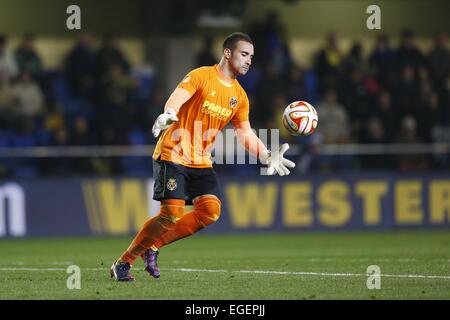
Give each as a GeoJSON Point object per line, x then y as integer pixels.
{"type": "Point", "coordinates": [206, 100]}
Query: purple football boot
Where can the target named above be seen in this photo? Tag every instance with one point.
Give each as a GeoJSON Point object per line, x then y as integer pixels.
{"type": "Point", "coordinates": [151, 262]}
{"type": "Point", "coordinates": [121, 271]}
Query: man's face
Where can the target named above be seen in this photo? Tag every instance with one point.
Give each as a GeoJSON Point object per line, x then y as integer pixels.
{"type": "Point", "coordinates": [241, 57]}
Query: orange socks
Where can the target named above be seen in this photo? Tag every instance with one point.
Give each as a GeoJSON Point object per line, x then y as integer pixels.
{"type": "Point", "coordinates": [170, 225]}
{"type": "Point", "coordinates": [206, 211]}
{"type": "Point", "coordinates": [183, 228]}
{"type": "Point", "coordinates": [171, 211]}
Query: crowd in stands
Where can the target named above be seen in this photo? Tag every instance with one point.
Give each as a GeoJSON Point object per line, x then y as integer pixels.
{"type": "Point", "coordinates": [395, 95]}
{"type": "Point", "coordinates": [93, 100]}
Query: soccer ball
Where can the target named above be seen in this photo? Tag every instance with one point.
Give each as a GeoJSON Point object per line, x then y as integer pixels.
{"type": "Point", "coordinates": [300, 118]}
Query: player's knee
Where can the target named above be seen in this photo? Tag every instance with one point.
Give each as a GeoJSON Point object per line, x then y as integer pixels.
{"type": "Point", "coordinates": [208, 209]}
{"type": "Point", "coordinates": [170, 213]}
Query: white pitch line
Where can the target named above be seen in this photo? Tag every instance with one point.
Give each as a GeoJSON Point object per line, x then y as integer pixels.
{"type": "Point", "coordinates": [48, 269]}
{"type": "Point", "coordinates": [32, 269]}
{"type": "Point", "coordinates": [301, 273]}
{"type": "Point", "coordinates": [193, 270]}
{"type": "Point", "coordinates": [414, 276]}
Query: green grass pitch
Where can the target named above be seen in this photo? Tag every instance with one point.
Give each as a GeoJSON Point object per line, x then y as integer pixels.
{"type": "Point", "coordinates": [414, 265]}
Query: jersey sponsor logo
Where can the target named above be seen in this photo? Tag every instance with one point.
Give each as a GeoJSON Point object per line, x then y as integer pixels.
{"type": "Point", "coordinates": [233, 102]}
{"type": "Point", "coordinates": [215, 110]}
{"type": "Point", "coordinates": [171, 184]}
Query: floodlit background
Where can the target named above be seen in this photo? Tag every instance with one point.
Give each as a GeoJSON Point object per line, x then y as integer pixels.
{"type": "Point", "coordinates": [77, 106]}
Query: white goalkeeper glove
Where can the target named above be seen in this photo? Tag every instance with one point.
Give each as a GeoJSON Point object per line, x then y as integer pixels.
{"type": "Point", "coordinates": [276, 162]}
{"type": "Point", "coordinates": [164, 121]}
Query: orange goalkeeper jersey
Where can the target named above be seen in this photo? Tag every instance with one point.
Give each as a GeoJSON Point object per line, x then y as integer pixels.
{"type": "Point", "coordinates": [213, 104]}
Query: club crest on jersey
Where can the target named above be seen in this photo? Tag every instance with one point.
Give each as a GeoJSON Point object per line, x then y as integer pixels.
{"type": "Point", "coordinates": [233, 102]}
{"type": "Point", "coordinates": [171, 184]}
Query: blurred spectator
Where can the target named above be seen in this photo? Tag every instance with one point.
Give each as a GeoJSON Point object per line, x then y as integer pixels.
{"type": "Point", "coordinates": [110, 55]}
{"type": "Point", "coordinates": [382, 60]}
{"type": "Point", "coordinates": [29, 96]}
{"type": "Point", "coordinates": [408, 54]}
{"type": "Point", "coordinates": [384, 111]}
{"type": "Point", "coordinates": [80, 134]}
{"type": "Point", "coordinates": [357, 99]}
{"type": "Point", "coordinates": [116, 111]}
{"type": "Point", "coordinates": [27, 58]}
{"type": "Point", "coordinates": [280, 54]}
{"type": "Point", "coordinates": [439, 60]}
{"type": "Point", "coordinates": [310, 159]}
{"type": "Point", "coordinates": [429, 116]}
{"type": "Point", "coordinates": [59, 166]}
{"type": "Point", "coordinates": [8, 66]}
{"type": "Point", "coordinates": [334, 122]}
{"type": "Point", "coordinates": [355, 60]}
{"type": "Point", "coordinates": [295, 86]}
{"type": "Point", "coordinates": [375, 133]}
{"type": "Point", "coordinates": [267, 89]}
{"type": "Point", "coordinates": [60, 137]}
{"type": "Point", "coordinates": [328, 64]}
{"type": "Point", "coordinates": [407, 93]}
{"type": "Point", "coordinates": [81, 68]}
{"type": "Point", "coordinates": [7, 102]}
{"type": "Point", "coordinates": [270, 35]}
{"type": "Point", "coordinates": [206, 57]}
{"type": "Point", "coordinates": [409, 134]}
{"type": "Point", "coordinates": [425, 83]}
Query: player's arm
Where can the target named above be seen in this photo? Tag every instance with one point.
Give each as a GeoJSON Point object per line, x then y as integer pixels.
{"type": "Point", "coordinates": [249, 139]}
{"type": "Point", "coordinates": [184, 91]}
{"type": "Point", "coordinates": [274, 160]}
{"type": "Point", "coordinates": [178, 97]}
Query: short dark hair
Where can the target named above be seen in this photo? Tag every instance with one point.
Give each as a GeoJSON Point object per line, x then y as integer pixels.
{"type": "Point", "coordinates": [232, 40]}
